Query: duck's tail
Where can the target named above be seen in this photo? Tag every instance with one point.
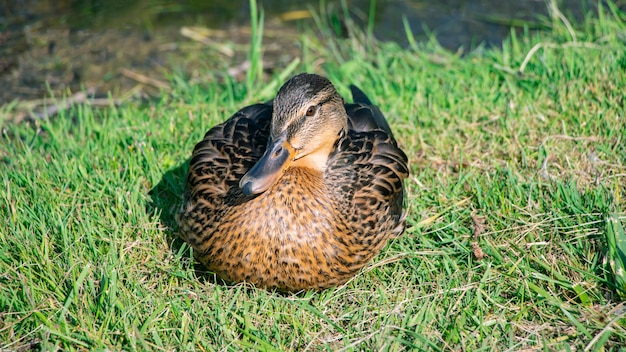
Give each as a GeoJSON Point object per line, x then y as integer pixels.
{"type": "Point", "coordinates": [365, 116]}
{"type": "Point", "coordinates": [358, 96]}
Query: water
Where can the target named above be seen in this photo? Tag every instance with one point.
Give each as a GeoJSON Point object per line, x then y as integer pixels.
{"type": "Point", "coordinates": [65, 46]}
{"type": "Point", "coordinates": [466, 24]}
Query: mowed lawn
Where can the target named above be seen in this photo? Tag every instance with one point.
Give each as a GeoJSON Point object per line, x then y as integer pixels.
{"type": "Point", "coordinates": [516, 208]}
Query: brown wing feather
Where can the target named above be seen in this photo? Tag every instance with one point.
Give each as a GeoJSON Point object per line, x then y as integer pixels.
{"type": "Point", "coordinates": [371, 169]}
{"type": "Point", "coordinates": [218, 162]}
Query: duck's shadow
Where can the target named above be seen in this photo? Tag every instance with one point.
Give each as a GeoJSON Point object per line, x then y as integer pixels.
{"type": "Point", "coordinates": [165, 199]}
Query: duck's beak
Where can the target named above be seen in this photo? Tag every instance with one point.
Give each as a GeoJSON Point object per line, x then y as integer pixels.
{"type": "Point", "coordinates": [278, 156]}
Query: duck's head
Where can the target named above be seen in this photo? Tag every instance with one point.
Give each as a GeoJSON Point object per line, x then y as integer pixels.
{"type": "Point", "coordinates": [308, 117]}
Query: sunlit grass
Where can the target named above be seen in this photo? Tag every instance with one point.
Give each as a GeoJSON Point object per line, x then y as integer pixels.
{"type": "Point", "coordinates": [518, 176]}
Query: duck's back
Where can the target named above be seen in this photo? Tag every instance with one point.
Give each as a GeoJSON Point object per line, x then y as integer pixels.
{"type": "Point", "coordinates": [311, 229]}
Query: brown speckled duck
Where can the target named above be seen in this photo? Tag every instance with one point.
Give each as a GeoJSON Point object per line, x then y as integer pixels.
{"type": "Point", "coordinates": [296, 194]}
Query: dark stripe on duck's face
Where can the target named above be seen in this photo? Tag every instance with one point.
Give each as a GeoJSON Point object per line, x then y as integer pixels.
{"type": "Point", "coordinates": [293, 128]}
{"type": "Point", "coordinates": [328, 98]}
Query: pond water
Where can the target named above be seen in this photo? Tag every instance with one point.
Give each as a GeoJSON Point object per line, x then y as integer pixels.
{"type": "Point", "coordinates": [62, 46]}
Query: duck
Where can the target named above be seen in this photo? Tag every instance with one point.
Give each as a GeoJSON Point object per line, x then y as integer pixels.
{"type": "Point", "coordinates": [295, 194]}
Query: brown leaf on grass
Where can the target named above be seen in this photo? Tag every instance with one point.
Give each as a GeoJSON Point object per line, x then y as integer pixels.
{"type": "Point", "coordinates": [479, 224]}
{"type": "Point", "coordinates": [478, 252]}
{"type": "Point", "coordinates": [479, 228]}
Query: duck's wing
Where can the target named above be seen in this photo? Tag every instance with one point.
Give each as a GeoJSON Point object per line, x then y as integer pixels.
{"type": "Point", "coordinates": [369, 170]}
{"type": "Point", "coordinates": [225, 154]}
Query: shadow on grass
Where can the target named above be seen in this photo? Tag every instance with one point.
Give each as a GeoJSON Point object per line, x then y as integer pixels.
{"type": "Point", "coordinates": [165, 199]}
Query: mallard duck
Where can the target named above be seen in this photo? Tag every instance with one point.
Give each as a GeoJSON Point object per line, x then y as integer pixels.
{"type": "Point", "coordinates": [295, 194]}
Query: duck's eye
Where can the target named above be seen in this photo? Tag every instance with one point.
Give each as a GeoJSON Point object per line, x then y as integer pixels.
{"type": "Point", "coordinates": [311, 110]}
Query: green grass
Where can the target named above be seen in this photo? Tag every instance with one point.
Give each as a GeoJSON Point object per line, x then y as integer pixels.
{"type": "Point", "coordinates": [527, 167]}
